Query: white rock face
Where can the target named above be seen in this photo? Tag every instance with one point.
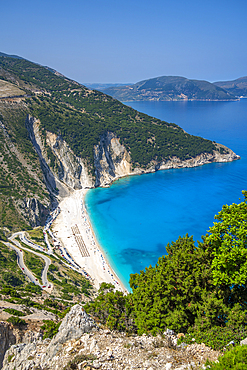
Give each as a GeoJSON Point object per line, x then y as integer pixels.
{"type": "Point", "coordinates": [73, 170]}
{"type": "Point", "coordinates": [111, 160]}
{"type": "Point", "coordinates": [70, 173]}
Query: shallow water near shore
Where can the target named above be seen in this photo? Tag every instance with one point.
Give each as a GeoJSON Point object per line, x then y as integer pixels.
{"type": "Point", "coordinates": [137, 216]}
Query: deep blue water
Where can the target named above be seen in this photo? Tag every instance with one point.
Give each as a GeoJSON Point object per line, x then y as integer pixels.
{"type": "Point", "coordinates": [137, 216]}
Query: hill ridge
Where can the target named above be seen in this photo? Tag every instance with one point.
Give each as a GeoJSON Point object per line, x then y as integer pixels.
{"type": "Point", "coordinates": [165, 88]}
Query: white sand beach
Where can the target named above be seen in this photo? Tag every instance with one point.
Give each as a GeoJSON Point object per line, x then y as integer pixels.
{"type": "Point", "coordinates": [73, 229]}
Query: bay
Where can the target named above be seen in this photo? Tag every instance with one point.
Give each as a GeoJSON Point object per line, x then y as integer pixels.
{"type": "Point", "coordinates": [137, 216]}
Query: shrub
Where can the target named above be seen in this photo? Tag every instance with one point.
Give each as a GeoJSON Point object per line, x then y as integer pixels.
{"type": "Point", "coordinates": [216, 337]}
{"type": "Point", "coordinates": [50, 328]}
{"type": "Point", "coordinates": [51, 303]}
{"type": "Point", "coordinates": [235, 359]}
{"type": "Point", "coordinates": [16, 321]}
{"type": "Point", "coordinates": [78, 359]}
{"type": "Point", "coordinates": [10, 291]}
{"type": "Point", "coordinates": [32, 288]}
{"type": "Point", "coordinates": [12, 279]}
{"type": "Point", "coordinates": [12, 311]}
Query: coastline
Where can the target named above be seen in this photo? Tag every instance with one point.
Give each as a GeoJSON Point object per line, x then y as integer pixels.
{"type": "Point", "coordinates": [73, 228]}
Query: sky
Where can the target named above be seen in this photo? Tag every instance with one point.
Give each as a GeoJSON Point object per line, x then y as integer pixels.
{"type": "Point", "coordinates": [115, 41]}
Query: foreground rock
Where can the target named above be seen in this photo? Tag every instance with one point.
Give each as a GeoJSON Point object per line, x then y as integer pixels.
{"type": "Point", "coordinates": [81, 344]}
{"type": "Point", "coordinates": [10, 335]}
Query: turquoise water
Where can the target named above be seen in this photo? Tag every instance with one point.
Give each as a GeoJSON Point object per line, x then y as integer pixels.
{"type": "Point", "coordinates": [137, 216]}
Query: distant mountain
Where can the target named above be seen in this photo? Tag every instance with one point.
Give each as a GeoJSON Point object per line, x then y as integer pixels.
{"type": "Point", "coordinates": [236, 87]}
{"type": "Point", "coordinates": [169, 88]}
{"type": "Point", "coordinates": [102, 87]}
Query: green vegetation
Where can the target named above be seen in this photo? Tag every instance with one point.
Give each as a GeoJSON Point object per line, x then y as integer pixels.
{"type": "Point", "coordinates": [10, 291]}
{"type": "Point", "coordinates": [228, 241]}
{"type": "Point", "coordinates": [10, 357]}
{"type": "Point", "coordinates": [189, 290]}
{"type": "Point", "coordinates": [215, 337]}
{"type": "Point", "coordinates": [37, 236]}
{"type": "Point", "coordinates": [12, 311]}
{"type": "Point", "coordinates": [69, 283]}
{"type": "Point", "coordinates": [16, 321]}
{"type": "Point", "coordinates": [30, 287]}
{"type": "Point", "coordinates": [10, 274]}
{"type": "Point", "coordinates": [50, 328]}
{"type": "Point", "coordinates": [236, 87]}
{"type": "Point", "coordinates": [34, 263]}
{"type": "Point", "coordinates": [78, 359]}
{"type": "Point", "coordinates": [111, 308]}
{"type": "Point", "coordinates": [20, 173]}
{"type": "Point", "coordinates": [2, 235]}
{"type": "Point", "coordinates": [235, 359]}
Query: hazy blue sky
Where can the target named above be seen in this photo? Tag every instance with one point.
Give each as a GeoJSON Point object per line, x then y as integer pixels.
{"type": "Point", "coordinates": [131, 40]}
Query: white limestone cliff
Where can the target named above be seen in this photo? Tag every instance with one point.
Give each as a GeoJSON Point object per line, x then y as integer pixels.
{"type": "Point", "coordinates": [111, 161]}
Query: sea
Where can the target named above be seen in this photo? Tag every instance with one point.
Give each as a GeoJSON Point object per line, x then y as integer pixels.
{"type": "Point", "coordinates": [137, 216]}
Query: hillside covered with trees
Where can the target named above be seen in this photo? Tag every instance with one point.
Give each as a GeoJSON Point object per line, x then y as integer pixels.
{"type": "Point", "coordinates": [80, 117]}
{"type": "Point", "coordinates": [167, 88]}
{"type": "Point", "coordinates": [236, 87]}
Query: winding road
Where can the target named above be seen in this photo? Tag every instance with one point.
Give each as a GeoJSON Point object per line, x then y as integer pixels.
{"type": "Point", "coordinates": [18, 248]}
{"type": "Point", "coordinates": [46, 285]}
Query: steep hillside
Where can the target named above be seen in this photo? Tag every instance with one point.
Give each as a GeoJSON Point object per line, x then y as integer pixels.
{"type": "Point", "coordinates": [169, 88]}
{"type": "Point", "coordinates": [58, 136]}
{"type": "Point", "coordinates": [236, 87]}
{"type": "Point", "coordinates": [21, 180]}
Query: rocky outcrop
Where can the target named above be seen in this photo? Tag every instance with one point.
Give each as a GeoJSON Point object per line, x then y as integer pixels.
{"type": "Point", "coordinates": [10, 335]}
{"type": "Point", "coordinates": [65, 172]}
{"type": "Point", "coordinates": [32, 125]}
{"type": "Point", "coordinates": [79, 342]}
{"type": "Point", "coordinates": [73, 326]}
{"type": "Point", "coordinates": [33, 210]}
{"type": "Point", "coordinates": [72, 169]}
{"type": "Point", "coordinates": [111, 160]}
{"type": "Point", "coordinates": [7, 338]}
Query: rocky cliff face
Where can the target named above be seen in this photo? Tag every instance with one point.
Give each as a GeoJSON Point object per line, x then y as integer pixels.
{"type": "Point", "coordinates": [11, 336]}
{"type": "Point", "coordinates": [68, 172]}
{"type": "Point", "coordinates": [111, 161]}
{"type": "Point", "coordinates": [7, 338]}
{"type": "Point", "coordinates": [81, 344]}
{"type": "Point", "coordinates": [33, 210]}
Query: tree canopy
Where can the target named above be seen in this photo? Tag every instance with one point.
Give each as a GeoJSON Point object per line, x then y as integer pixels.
{"type": "Point", "coordinates": [203, 286]}
{"type": "Point", "coordinates": [228, 238]}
